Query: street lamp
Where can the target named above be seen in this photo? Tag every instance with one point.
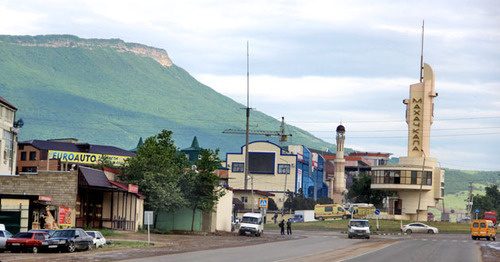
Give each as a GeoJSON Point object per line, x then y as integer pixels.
{"type": "Point", "coordinates": [421, 184]}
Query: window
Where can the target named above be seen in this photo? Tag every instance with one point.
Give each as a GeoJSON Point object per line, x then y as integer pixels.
{"type": "Point", "coordinates": [283, 168]}
{"type": "Point", "coordinates": [8, 137]}
{"type": "Point", "coordinates": [328, 209]}
{"type": "Point", "coordinates": [244, 199]}
{"type": "Point", "coordinates": [32, 155]}
{"type": "Point", "coordinates": [414, 177]}
{"type": "Point", "coordinates": [238, 168]}
{"type": "Point", "coordinates": [28, 169]}
{"type": "Point", "coordinates": [23, 156]}
{"type": "Point", "coordinates": [340, 209]}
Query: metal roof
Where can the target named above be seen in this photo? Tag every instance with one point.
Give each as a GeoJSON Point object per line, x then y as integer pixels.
{"type": "Point", "coordinates": [77, 147]}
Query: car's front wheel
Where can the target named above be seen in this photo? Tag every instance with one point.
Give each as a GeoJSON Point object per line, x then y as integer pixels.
{"type": "Point", "coordinates": [71, 247]}
{"type": "Point", "coordinates": [430, 231]}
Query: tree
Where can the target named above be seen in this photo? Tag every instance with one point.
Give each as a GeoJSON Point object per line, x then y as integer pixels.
{"type": "Point", "coordinates": [158, 169]}
{"type": "Point", "coordinates": [201, 188]}
{"type": "Point", "coordinates": [271, 205]}
{"type": "Point", "coordinates": [489, 202]}
{"type": "Point", "coordinates": [360, 191]}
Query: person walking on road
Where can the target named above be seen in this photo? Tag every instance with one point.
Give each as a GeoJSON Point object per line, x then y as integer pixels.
{"type": "Point", "coordinates": [282, 226]}
{"type": "Point", "coordinates": [289, 227]}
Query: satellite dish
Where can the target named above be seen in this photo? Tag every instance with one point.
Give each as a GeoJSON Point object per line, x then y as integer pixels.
{"type": "Point", "coordinates": [19, 123]}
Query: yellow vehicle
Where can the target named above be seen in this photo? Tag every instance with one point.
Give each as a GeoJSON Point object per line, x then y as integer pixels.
{"type": "Point", "coordinates": [322, 212]}
{"type": "Point", "coordinates": [362, 212]}
{"type": "Point", "coordinates": [483, 229]}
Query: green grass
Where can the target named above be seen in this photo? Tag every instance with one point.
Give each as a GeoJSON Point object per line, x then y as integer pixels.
{"type": "Point", "coordinates": [126, 244]}
{"type": "Point", "coordinates": [384, 225]}
{"type": "Point", "coordinates": [104, 231]}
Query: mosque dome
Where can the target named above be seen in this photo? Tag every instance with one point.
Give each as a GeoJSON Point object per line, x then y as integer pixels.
{"type": "Point", "coordinates": [340, 129]}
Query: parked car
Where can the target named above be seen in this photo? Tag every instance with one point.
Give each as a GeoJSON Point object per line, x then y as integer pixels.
{"type": "Point", "coordinates": [68, 240]}
{"type": "Point", "coordinates": [297, 218]}
{"type": "Point", "coordinates": [419, 228]}
{"type": "Point", "coordinates": [48, 231]}
{"type": "Point", "coordinates": [4, 235]}
{"type": "Point", "coordinates": [97, 237]}
{"type": "Point", "coordinates": [26, 242]}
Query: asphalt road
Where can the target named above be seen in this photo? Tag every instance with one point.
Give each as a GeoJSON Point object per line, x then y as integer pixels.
{"type": "Point", "coordinates": [334, 246]}
{"type": "Point", "coordinates": [425, 250]}
{"type": "Point", "coordinates": [313, 243]}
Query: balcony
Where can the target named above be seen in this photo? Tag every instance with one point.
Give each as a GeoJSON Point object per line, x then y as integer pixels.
{"type": "Point", "coordinates": [401, 180]}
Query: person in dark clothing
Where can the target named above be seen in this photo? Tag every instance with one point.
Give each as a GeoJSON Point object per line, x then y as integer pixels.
{"type": "Point", "coordinates": [289, 227]}
{"type": "Point", "coordinates": [282, 226]}
{"type": "Point", "coordinates": [275, 218]}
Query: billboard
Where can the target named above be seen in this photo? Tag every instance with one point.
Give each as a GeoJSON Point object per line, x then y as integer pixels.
{"type": "Point", "coordinates": [84, 158]}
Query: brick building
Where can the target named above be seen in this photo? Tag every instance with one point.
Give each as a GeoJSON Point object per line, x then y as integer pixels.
{"type": "Point", "coordinates": [78, 198]}
{"type": "Point", "coordinates": [64, 155]}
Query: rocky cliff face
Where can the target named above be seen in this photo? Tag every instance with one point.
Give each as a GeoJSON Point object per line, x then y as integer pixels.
{"type": "Point", "coordinates": [69, 41]}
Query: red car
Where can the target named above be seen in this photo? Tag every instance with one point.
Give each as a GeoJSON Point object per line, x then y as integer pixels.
{"type": "Point", "coordinates": [26, 241]}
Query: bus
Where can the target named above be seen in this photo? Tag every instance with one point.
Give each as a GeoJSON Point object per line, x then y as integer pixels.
{"type": "Point", "coordinates": [491, 216]}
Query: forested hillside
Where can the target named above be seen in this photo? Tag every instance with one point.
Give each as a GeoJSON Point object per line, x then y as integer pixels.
{"type": "Point", "coordinates": [112, 93]}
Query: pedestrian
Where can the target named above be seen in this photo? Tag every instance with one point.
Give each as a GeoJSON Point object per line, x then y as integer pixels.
{"type": "Point", "coordinates": [282, 226]}
{"type": "Point", "coordinates": [275, 218]}
{"type": "Point", "coordinates": [289, 227]}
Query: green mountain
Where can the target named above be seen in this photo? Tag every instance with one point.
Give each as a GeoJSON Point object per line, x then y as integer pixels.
{"type": "Point", "coordinates": [112, 93]}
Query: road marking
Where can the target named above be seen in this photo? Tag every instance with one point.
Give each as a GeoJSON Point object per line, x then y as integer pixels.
{"type": "Point", "coordinates": [434, 240]}
{"type": "Point", "coordinates": [424, 239]}
{"type": "Point", "coordinates": [454, 240]}
{"type": "Point", "coordinates": [465, 241]}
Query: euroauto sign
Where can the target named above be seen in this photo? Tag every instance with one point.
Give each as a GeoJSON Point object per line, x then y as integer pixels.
{"type": "Point", "coordinates": [85, 158]}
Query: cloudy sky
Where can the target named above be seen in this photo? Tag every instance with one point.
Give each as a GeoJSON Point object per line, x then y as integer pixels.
{"type": "Point", "coordinates": [318, 63]}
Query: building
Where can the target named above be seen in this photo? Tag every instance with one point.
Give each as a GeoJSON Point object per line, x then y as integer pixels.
{"type": "Point", "coordinates": [417, 179]}
{"type": "Point", "coordinates": [312, 178]}
{"type": "Point", "coordinates": [64, 155]}
{"type": "Point", "coordinates": [270, 169]}
{"type": "Point", "coordinates": [8, 137]}
{"type": "Point", "coordinates": [77, 198]}
{"type": "Point", "coordinates": [246, 196]}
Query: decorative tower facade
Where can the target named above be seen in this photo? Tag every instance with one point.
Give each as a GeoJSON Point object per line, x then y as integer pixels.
{"type": "Point", "coordinates": [339, 187]}
{"type": "Point", "coordinates": [417, 179]}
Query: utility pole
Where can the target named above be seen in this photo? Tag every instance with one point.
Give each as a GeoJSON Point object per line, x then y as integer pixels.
{"type": "Point", "coordinates": [248, 120]}
{"type": "Point", "coordinates": [284, 197]}
{"type": "Point", "coordinates": [469, 204]}
{"type": "Point", "coordinates": [421, 184]}
{"type": "Point", "coordinates": [251, 177]}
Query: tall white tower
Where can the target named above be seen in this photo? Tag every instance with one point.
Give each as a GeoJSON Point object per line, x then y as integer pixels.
{"type": "Point", "coordinates": [339, 185]}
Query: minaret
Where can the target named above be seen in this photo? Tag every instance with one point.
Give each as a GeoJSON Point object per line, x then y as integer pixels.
{"type": "Point", "coordinates": [339, 177]}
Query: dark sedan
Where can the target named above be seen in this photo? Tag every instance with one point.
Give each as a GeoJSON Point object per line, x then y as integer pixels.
{"type": "Point", "coordinates": [68, 240]}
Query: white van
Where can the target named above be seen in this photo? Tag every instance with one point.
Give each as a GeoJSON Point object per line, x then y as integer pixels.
{"type": "Point", "coordinates": [358, 228]}
{"type": "Point", "coordinates": [251, 223]}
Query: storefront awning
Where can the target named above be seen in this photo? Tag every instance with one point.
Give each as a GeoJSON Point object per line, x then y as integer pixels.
{"type": "Point", "coordinates": [94, 177]}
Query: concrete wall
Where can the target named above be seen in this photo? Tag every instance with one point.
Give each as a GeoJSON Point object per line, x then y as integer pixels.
{"type": "Point", "coordinates": [223, 212]}
{"type": "Point", "coordinates": [61, 186]}
{"type": "Point", "coordinates": [180, 220]}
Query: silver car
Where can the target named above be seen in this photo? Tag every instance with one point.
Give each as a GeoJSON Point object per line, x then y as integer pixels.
{"type": "Point", "coordinates": [419, 228]}
{"type": "Point", "coordinates": [4, 235]}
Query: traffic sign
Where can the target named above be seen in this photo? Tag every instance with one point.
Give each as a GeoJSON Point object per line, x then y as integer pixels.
{"type": "Point", "coordinates": [148, 217]}
{"type": "Point", "coordinates": [477, 211]}
{"type": "Point", "coordinates": [377, 212]}
{"type": "Point", "coordinates": [263, 202]}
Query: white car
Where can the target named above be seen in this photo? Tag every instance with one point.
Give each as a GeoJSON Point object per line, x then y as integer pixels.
{"type": "Point", "coordinates": [419, 228]}
{"type": "Point", "coordinates": [98, 238]}
{"type": "Point", "coordinates": [4, 235]}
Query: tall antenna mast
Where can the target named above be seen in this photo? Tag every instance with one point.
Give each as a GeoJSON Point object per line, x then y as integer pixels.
{"type": "Point", "coordinates": [422, 55]}
{"type": "Point", "coordinates": [248, 118]}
